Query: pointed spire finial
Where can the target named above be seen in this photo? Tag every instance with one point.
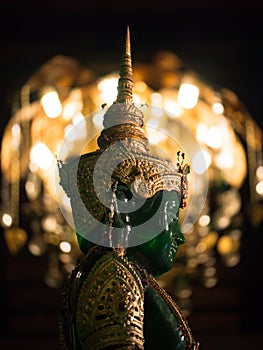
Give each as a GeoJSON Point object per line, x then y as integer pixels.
{"type": "Point", "coordinates": [125, 84]}
{"type": "Point", "coordinates": [128, 42]}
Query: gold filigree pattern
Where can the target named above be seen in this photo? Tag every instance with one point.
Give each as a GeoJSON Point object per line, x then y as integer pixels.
{"type": "Point", "coordinates": [110, 306]}
{"type": "Point", "coordinates": [142, 173]}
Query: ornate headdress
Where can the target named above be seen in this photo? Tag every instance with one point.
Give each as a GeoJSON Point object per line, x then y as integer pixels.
{"type": "Point", "coordinates": [123, 156]}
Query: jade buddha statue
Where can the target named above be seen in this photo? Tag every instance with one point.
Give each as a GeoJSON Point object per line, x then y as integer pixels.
{"type": "Point", "coordinates": [125, 204]}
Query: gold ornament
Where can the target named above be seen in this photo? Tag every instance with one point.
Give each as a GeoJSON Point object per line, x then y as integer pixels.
{"type": "Point", "coordinates": [110, 305]}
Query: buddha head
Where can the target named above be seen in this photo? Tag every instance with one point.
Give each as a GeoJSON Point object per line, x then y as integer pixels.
{"type": "Point", "coordinates": [122, 196]}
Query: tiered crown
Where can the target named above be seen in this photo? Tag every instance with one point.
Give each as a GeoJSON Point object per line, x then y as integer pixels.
{"type": "Point", "coordinates": [123, 156]}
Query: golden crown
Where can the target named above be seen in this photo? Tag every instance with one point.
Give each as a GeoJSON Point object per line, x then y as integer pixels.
{"type": "Point", "coordinates": [123, 156]}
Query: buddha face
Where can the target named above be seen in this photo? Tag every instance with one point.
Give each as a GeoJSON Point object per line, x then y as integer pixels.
{"type": "Point", "coordinates": [157, 254]}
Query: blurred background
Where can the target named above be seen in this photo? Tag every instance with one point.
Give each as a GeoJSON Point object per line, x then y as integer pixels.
{"type": "Point", "coordinates": [200, 65]}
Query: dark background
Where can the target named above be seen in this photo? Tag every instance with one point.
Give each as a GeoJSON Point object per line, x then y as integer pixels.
{"type": "Point", "coordinates": [222, 42]}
